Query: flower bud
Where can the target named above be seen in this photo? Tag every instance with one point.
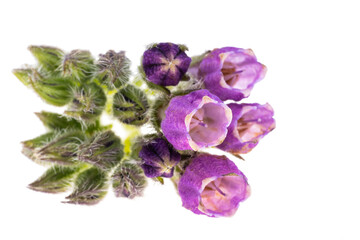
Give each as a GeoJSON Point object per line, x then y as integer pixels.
{"type": "Point", "coordinates": [230, 73]}
{"type": "Point", "coordinates": [90, 187]}
{"type": "Point", "coordinates": [213, 185]}
{"type": "Point", "coordinates": [165, 64]}
{"type": "Point", "coordinates": [104, 150]}
{"type": "Point", "coordinates": [114, 69]}
{"type": "Point", "coordinates": [56, 179]}
{"type": "Point", "coordinates": [62, 149]}
{"type": "Point", "coordinates": [55, 121]}
{"type": "Point", "coordinates": [128, 180]}
{"type": "Point", "coordinates": [88, 103]}
{"type": "Point", "coordinates": [196, 120]}
{"type": "Point", "coordinates": [49, 58]}
{"type": "Point", "coordinates": [130, 105]}
{"type": "Point", "coordinates": [78, 64]}
{"type": "Point", "coordinates": [250, 123]}
{"type": "Point", "coordinates": [158, 158]}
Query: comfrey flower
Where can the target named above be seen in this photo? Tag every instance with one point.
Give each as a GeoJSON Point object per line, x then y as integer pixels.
{"type": "Point", "coordinates": [250, 123]}
{"type": "Point", "coordinates": [213, 185]}
{"type": "Point", "coordinates": [165, 64]}
{"type": "Point", "coordinates": [230, 73]}
{"type": "Point", "coordinates": [158, 158]}
{"type": "Point", "coordinates": [196, 120]}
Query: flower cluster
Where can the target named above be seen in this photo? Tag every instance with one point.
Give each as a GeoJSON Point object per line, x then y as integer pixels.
{"type": "Point", "coordinates": [181, 99]}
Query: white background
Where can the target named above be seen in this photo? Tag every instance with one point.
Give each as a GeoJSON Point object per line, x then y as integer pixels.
{"type": "Point", "coordinates": [304, 175]}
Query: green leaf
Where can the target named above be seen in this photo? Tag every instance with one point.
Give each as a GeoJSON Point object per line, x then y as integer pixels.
{"type": "Point", "coordinates": [30, 146]}
{"type": "Point", "coordinates": [62, 149]}
{"type": "Point", "coordinates": [130, 105]}
{"type": "Point", "coordinates": [56, 179]}
{"type": "Point", "coordinates": [23, 75]}
{"type": "Point", "coordinates": [90, 187]}
{"type": "Point", "coordinates": [49, 58]}
{"type": "Point", "coordinates": [55, 121]}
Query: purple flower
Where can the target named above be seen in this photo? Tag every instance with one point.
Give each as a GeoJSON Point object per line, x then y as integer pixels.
{"type": "Point", "coordinates": [159, 158]}
{"type": "Point", "coordinates": [196, 120]}
{"type": "Point", "coordinates": [230, 73]}
{"type": "Point", "coordinates": [250, 123]}
{"type": "Point", "coordinates": [213, 185]}
{"type": "Point", "coordinates": [165, 64]}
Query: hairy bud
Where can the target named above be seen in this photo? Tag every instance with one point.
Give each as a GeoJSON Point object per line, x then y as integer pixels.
{"type": "Point", "coordinates": [88, 103]}
{"type": "Point", "coordinates": [114, 69]}
{"type": "Point", "coordinates": [128, 180]}
{"type": "Point", "coordinates": [130, 105]}
{"type": "Point", "coordinates": [103, 150]}
{"type": "Point", "coordinates": [90, 187]}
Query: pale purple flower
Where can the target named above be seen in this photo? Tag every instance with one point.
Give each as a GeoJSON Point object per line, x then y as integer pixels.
{"type": "Point", "coordinates": [158, 158]}
{"type": "Point", "coordinates": [250, 123]}
{"type": "Point", "coordinates": [229, 73]}
{"type": "Point", "coordinates": [196, 120]}
{"type": "Point", "coordinates": [213, 185]}
{"type": "Point", "coordinates": [165, 64]}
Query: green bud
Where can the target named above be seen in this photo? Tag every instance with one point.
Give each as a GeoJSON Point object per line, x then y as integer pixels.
{"type": "Point", "coordinates": [56, 179]}
{"type": "Point", "coordinates": [88, 103]}
{"type": "Point", "coordinates": [55, 121]}
{"type": "Point", "coordinates": [31, 146]}
{"type": "Point", "coordinates": [62, 149]}
{"type": "Point", "coordinates": [49, 58]}
{"type": "Point", "coordinates": [90, 187]}
{"type": "Point", "coordinates": [78, 64]}
{"type": "Point", "coordinates": [128, 180]}
{"type": "Point", "coordinates": [114, 69]}
{"type": "Point", "coordinates": [130, 105]}
{"type": "Point", "coordinates": [104, 150]}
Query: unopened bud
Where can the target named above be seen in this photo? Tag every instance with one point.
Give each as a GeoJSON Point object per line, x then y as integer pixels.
{"type": "Point", "coordinates": [104, 150]}
{"type": "Point", "coordinates": [88, 103]}
{"type": "Point", "coordinates": [114, 69]}
{"type": "Point", "coordinates": [90, 187]}
{"type": "Point", "coordinates": [78, 64]}
{"type": "Point", "coordinates": [128, 180]}
{"type": "Point", "coordinates": [130, 105]}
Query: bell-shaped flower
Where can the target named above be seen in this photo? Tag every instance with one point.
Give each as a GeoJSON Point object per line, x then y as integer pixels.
{"type": "Point", "coordinates": [250, 123]}
{"type": "Point", "coordinates": [196, 120]}
{"type": "Point", "coordinates": [230, 73]}
{"type": "Point", "coordinates": [213, 185]}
